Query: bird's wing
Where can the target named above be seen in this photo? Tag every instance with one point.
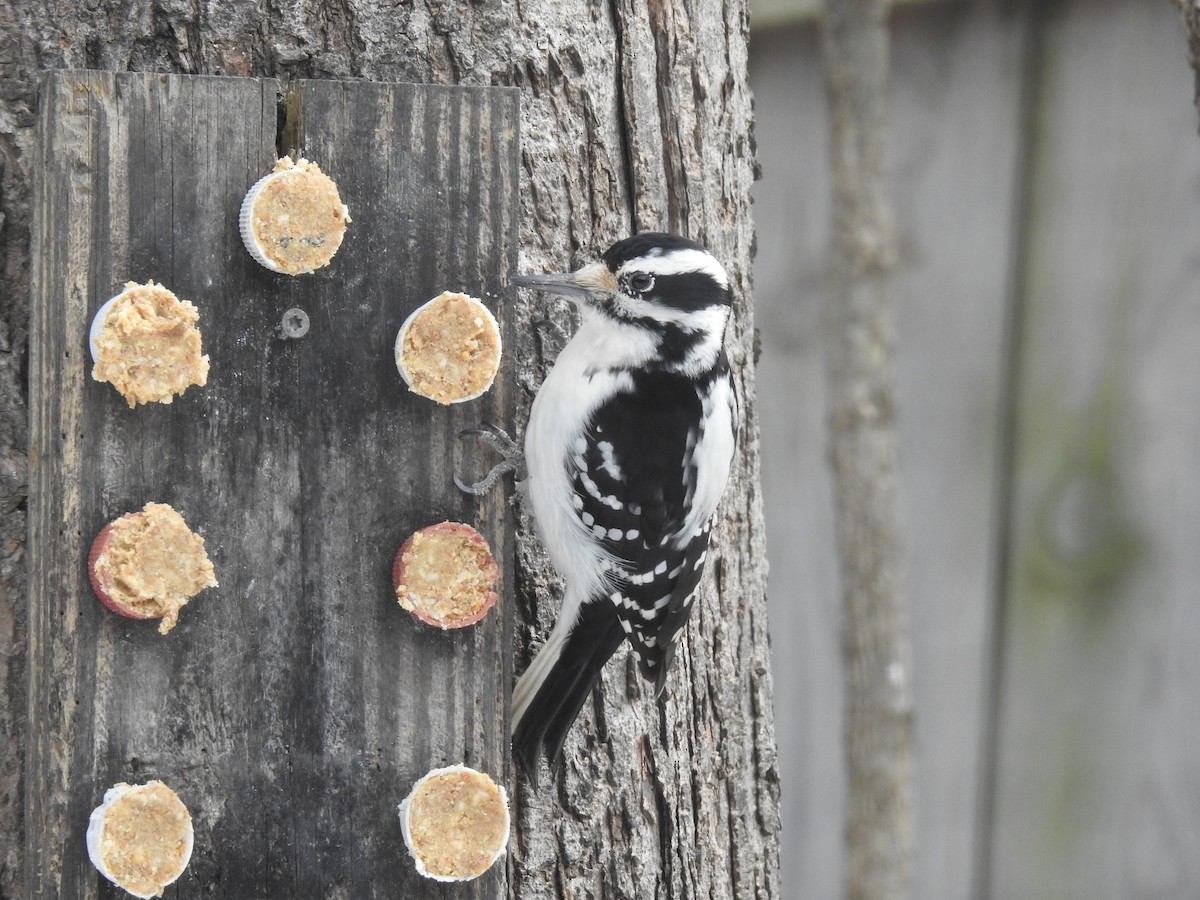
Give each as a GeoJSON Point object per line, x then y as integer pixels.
{"type": "Point", "coordinates": [647, 475]}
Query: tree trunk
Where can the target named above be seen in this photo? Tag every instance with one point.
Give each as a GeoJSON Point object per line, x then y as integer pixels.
{"type": "Point", "coordinates": [634, 117]}
{"type": "Point", "coordinates": [880, 824]}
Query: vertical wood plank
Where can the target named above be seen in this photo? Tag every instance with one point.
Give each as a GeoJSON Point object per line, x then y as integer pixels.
{"type": "Point", "coordinates": [1098, 729]}
{"type": "Point", "coordinates": [957, 127]}
{"type": "Point", "coordinates": [293, 706]}
{"type": "Point", "coordinates": [955, 116]}
{"type": "Point", "coordinates": [791, 213]}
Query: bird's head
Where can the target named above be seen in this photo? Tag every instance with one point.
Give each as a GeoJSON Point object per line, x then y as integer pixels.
{"type": "Point", "coordinates": [653, 279]}
{"type": "Point", "coordinates": [661, 286]}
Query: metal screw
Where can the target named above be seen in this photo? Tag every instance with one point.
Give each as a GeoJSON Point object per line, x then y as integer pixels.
{"type": "Point", "coordinates": [293, 325]}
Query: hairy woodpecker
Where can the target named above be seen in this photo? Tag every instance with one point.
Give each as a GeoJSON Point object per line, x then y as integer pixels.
{"type": "Point", "coordinates": [628, 449]}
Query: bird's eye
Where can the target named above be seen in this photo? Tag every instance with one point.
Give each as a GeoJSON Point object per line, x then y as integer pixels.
{"type": "Point", "coordinates": [640, 282]}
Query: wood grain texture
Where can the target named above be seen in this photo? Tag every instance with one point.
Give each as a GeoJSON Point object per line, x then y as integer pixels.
{"type": "Point", "coordinates": [294, 705]}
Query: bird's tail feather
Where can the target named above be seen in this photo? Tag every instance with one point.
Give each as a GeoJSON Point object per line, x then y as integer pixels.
{"type": "Point", "coordinates": [548, 697]}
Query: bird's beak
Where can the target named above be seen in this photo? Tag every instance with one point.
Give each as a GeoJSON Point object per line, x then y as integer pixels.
{"type": "Point", "coordinates": [591, 281]}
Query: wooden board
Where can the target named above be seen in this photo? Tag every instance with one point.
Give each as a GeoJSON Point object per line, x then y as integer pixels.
{"type": "Point", "coordinates": [954, 105]}
{"type": "Point", "coordinates": [1097, 703]}
{"type": "Point", "coordinates": [957, 87]}
{"type": "Point", "coordinates": [1100, 697]}
{"type": "Point", "coordinates": [791, 216]}
{"type": "Point", "coordinates": [294, 706]}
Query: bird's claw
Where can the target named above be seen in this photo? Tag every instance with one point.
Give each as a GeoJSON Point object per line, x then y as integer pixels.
{"type": "Point", "coordinates": [498, 440]}
{"type": "Point", "coordinates": [494, 437]}
{"type": "Point", "coordinates": [485, 484]}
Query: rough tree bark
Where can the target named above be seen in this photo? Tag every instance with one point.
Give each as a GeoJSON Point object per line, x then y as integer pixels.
{"type": "Point", "coordinates": [880, 824]}
{"type": "Point", "coordinates": [634, 117]}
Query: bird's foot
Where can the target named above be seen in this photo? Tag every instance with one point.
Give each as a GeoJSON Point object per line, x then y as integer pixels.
{"type": "Point", "coordinates": [498, 440]}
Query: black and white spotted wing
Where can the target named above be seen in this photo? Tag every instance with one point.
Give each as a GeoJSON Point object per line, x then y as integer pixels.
{"type": "Point", "coordinates": [636, 477]}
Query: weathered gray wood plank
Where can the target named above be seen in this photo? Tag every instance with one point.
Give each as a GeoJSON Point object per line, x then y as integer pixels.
{"type": "Point", "coordinates": [791, 212]}
{"type": "Point", "coordinates": [957, 119]}
{"type": "Point", "coordinates": [955, 91]}
{"type": "Point", "coordinates": [1099, 725]}
{"type": "Point", "coordinates": [294, 705]}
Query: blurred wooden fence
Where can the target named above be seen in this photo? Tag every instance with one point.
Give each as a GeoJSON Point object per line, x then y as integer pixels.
{"type": "Point", "coordinates": [1047, 184]}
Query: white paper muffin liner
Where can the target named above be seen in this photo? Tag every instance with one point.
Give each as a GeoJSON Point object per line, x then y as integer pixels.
{"type": "Point", "coordinates": [405, 809]}
{"type": "Point", "coordinates": [98, 324]}
{"type": "Point", "coordinates": [246, 221]}
{"type": "Point", "coordinates": [398, 349]}
{"type": "Point", "coordinates": [95, 833]}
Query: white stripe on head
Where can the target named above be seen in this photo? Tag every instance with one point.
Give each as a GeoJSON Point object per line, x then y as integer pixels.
{"type": "Point", "coordinates": [678, 262]}
{"type": "Point", "coordinates": [709, 323]}
{"type": "Point", "coordinates": [707, 320]}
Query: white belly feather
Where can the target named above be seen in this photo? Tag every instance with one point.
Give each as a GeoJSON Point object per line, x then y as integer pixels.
{"type": "Point", "coordinates": [561, 410]}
